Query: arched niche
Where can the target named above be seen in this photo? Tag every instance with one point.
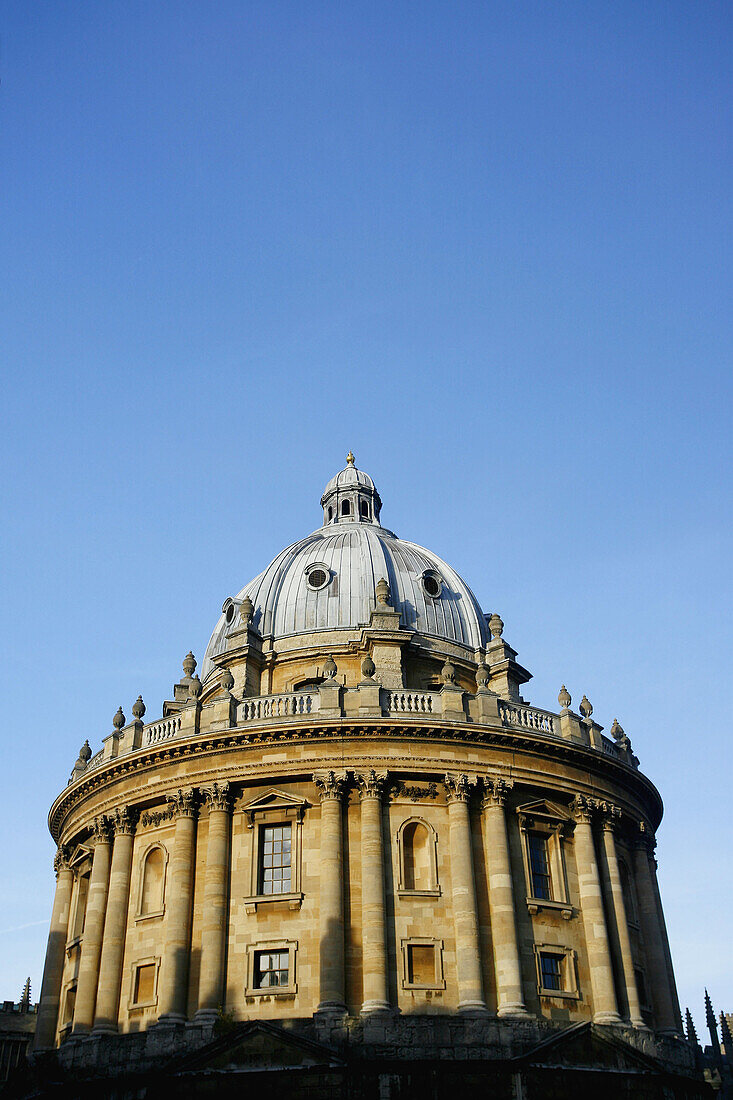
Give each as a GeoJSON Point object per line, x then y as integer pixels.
{"type": "Point", "coordinates": [417, 853]}
{"type": "Point", "coordinates": [151, 894]}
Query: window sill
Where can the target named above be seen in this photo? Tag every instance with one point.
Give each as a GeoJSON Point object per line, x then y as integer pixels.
{"type": "Point", "coordinates": [149, 916]}
{"type": "Point", "coordinates": [563, 907]}
{"type": "Point", "coordinates": [133, 1006]}
{"type": "Point", "coordinates": [403, 893]}
{"type": "Point", "coordinates": [76, 942]}
{"type": "Point", "coordinates": [562, 994]}
{"type": "Point", "coordinates": [293, 901]}
{"type": "Point", "coordinates": [277, 993]}
{"type": "Point", "coordinates": [414, 986]}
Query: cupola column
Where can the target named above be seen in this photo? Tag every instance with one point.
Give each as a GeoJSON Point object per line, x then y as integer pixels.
{"type": "Point", "coordinates": [610, 819]}
{"type": "Point", "coordinates": [509, 991]}
{"type": "Point", "coordinates": [332, 997]}
{"type": "Point", "coordinates": [91, 947]}
{"type": "Point", "coordinates": [115, 924]}
{"type": "Point", "coordinates": [173, 998]}
{"type": "Point", "coordinates": [666, 1012]}
{"type": "Point", "coordinates": [216, 896]}
{"type": "Point", "coordinates": [374, 939]}
{"type": "Point", "coordinates": [465, 910]}
{"type": "Point", "coordinates": [53, 970]}
{"type": "Point", "coordinates": [605, 1009]}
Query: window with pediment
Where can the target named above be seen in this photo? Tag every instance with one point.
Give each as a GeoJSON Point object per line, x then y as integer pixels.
{"type": "Point", "coordinates": [276, 820]}
{"type": "Point", "coordinates": [542, 826]}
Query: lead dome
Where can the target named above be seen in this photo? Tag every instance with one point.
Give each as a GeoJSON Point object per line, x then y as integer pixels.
{"type": "Point", "coordinates": [326, 582]}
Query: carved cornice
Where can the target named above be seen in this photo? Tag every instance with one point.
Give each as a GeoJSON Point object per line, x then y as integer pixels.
{"type": "Point", "coordinates": [218, 797]}
{"type": "Point", "coordinates": [124, 821]}
{"type": "Point", "coordinates": [496, 791]}
{"type": "Point", "coordinates": [370, 784]}
{"type": "Point", "coordinates": [238, 739]}
{"type": "Point", "coordinates": [184, 803]}
{"type": "Point", "coordinates": [331, 785]}
{"type": "Point", "coordinates": [458, 787]}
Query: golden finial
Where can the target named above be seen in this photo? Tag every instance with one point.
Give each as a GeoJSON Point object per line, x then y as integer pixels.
{"type": "Point", "coordinates": [350, 458]}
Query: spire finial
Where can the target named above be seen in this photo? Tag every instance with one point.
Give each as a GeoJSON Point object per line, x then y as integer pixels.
{"type": "Point", "coordinates": [350, 458]}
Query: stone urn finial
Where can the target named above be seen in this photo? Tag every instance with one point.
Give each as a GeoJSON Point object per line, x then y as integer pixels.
{"type": "Point", "coordinates": [448, 672]}
{"type": "Point", "coordinates": [368, 668]}
{"type": "Point", "coordinates": [85, 755]}
{"type": "Point", "coordinates": [585, 707]}
{"type": "Point", "coordinates": [119, 719]}
{"type": "Point", "coordinates": [329, 668]}
{"type": "Point", "coordinates": [496, 626]}
{"type": "Point", "coordinates": [482, 676]}
{"type": "Point", "coordinates": [564, 698]}
{"type": "Point", "coordinates": [350, 458]}
{"type": "Point", "coordinates": [246, 610]}
{"type": "Point", "coordinates": [382, 592]}
{"type": "Point", "coordinates": [138, 709]}
{"type": "Point", "coordinates": [227, 680]}
{"type": "Point", "coordinates": [189, 664]}
{"type": "Point", "coordinates": [617, 730]}
{"type": "Point", "coordinates": [195, 687]}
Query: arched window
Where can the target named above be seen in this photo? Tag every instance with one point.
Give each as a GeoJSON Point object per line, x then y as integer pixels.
{"type": "Point", "coordinates": [152, 882]}
{"type": "Point", "coordinates": [364, 509]}
{"type": "Point", "coordinates": [345, 507]}
{"type": "Point", "coordinates": [330, 513]}
{"type": "Point", "coordinates": [417, 855]}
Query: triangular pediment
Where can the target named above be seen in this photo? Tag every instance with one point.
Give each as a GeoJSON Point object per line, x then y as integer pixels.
{"type": "Point", "coordinates": [256, 1046]}
{"type": "Point", "coordinates": [585, 1046]}
{"type": "Point", "coordinates": [544, 808]}
{"type": "Point", "coordinates": [273, 800]}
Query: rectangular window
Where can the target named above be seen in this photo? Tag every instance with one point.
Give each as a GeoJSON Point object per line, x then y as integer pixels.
{"type": "Point", "coordinates": [421, 964]}
{"type": "Point", "coordinates": [539, 865]}
{"type": "Point", "coordinates": [271, 969]}
{"type": "Point", "coordinates": [551, 971]}
{"type": "Point", "coordinates": [275, 859]}
{"type": "Point", "coordinates": [144, 989]}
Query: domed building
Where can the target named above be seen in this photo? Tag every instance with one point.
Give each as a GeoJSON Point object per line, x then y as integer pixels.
{"type": "Point", "coordinates": [350, 858]}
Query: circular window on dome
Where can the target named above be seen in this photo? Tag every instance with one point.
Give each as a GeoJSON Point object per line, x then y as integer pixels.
{"type": "Point", "coordinates": [229, 608]}
{"type": "Point", "coordinates": [432, 584]}
{"type": "Point", "coordinates": [317, 576]}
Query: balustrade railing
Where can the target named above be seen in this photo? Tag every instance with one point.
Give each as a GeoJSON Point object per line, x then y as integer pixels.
{"type": "Point", "coordinates": [413, 702]}
{"type": "Point", "coordinates": [162, 731]}
{"type": "Point", "coordinates": [529, 718]}
{"type": "Point", "coordinates": [293, 705]}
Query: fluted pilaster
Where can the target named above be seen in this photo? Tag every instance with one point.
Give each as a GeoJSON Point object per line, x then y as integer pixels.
{"type": "Point", "coordinates": [53, 970]}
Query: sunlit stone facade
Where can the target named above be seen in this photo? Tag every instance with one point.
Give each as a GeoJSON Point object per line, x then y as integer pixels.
{"type": "Point", "coordinates": [353, 825]}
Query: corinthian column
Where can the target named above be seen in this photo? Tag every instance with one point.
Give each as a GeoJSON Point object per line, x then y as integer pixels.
{"type": "Point", "coordinates": [173, 999]}
{"type": "Point", "coordinates": [216, 897]}
{"type": "Point", "coordinates": [510, 998]}
{"type": "Point", "coordinates": [465, 911]}
{"type": "Point", "coordinates": [605, 1009]}
{"type": "Point", "coordinates": [374, 938]}
{"type": "Point", "coordinates": [611, 817]}
{"type": "Point", "coordinates": [655, 936]}
{"type": "Point", "coordinates": [48, 1006]}
{"type": "Point", "coordinates": [115, 925]}
{"type": "Point", "coordinates": [91, 946]}
{"type": "Point", "coordinates": [331, 893]}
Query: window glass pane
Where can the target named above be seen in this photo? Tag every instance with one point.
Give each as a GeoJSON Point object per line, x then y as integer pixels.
{"type": "Point", "coordinates": [275, 859]}
{"type": "Point", "coordinates": [539, 865]}
{"type": "Point", "coordinates": [271, 968]}
{"type": "Point", "coordinates": [551, 971]}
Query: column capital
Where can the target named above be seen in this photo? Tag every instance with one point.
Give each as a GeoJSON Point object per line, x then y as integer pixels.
{"type": "Point", "coordinates": [458, 786]}
{"type": "Point", "coordinates": [184, 803]}
{"type": "Point", "coordinates": [101, 830]}
{"type": "Point", "coordinates": [218, 797]}
{"type": "Point", "coordinates": [124, 821]}
{"type": "Point", "coordinates": [62, 859]}
{"type": "Point", "coordinates": [644, 839]}
{"type": "Point", "coordinates": [331, 785]}
{"type": "Point", "coordinates": [496, 791]}
{"type": "Point", "coordinates": [371, 783]}
{"type": "Point", "coordinates": [583, 809]}
{"type": "Point", "coordinates": [610, 817]}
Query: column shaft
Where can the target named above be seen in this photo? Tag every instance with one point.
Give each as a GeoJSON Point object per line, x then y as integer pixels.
{"type": "Point", "coordinates": [657, 976]}
{"type": "Point", "coordinates": [605, 1009]}
{"type": "Point", "coordinates": [115, 929]}
{"type": "Point", "coordinates": [465, 912]}
{"type": "Point", "coordinates": [91, 947]}
{"type": "Point", "coordinates": [53, 970]}
{"type": "Point", "coordinates": [622, 926]}
{"type": "Point", "coordinates": [216, 898]}
{"type": "Point", "coordinates": [510, 998]}
{"type": "Point", "coordinates": [173, 997]}
{"type": "Point", "coordinates": [374, 939]}
{"type": "Point", "coordinates": [331, 898]}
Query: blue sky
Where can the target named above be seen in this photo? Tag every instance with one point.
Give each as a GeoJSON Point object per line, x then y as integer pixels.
{"type": "Point", "coordinates": [484, 245]}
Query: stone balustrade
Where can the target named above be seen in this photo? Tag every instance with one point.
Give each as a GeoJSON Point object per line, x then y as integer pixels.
{"type": "Point", "coordinates": [163, 730]}
{"type": "Point", "coordinates": [413, 702]}
{"type": "Point", "coordinates": [529, 718]}
{"type": "Point", "coordinates": [294, 704]}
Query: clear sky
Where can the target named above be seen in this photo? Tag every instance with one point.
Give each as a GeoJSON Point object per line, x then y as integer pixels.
{"type": "Point", "coordinates": [485, 245]}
